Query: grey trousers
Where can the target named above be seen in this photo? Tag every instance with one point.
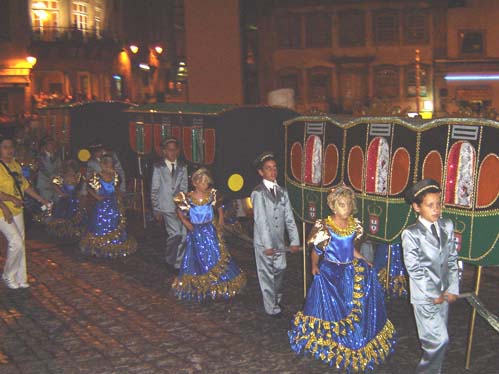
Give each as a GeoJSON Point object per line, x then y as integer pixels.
{"type": "Point", "coordinates": [431, 320]}
{"type": "Point", "coordinates": [270, 271]}
{"type": "Point", "coordinates": [175, 243]}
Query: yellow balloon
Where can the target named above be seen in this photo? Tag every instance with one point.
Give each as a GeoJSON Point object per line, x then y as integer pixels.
{"type": "Point", "coordinates": [235, 182]}
{"type": "Point", "coordinates": [83, 155]}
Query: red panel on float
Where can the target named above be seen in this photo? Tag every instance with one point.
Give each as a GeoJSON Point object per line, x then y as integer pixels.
{"type": "Point", "coordinates": [187, 142]}
{"type": "Point", "coordinates": [488, 181]}
{"type": "Point", "coordinates": [296, 160]}
{"type": "Point", "coordinates": [432, 166]}
{"type": "Point", "coordinates": [452, 169]}
{"type": "Point", "coordinates": [372, 159]}
{"type": "Point", "coordinates": [400, 171]}
{"type": "Point", "coordinates": [176, 132]}
{"type": "Point", "coordinates": [355, 167]}
{"type": "Point", "coordinates": [209, 146]}
{"type": "Point", "coordinates": [330, 164]}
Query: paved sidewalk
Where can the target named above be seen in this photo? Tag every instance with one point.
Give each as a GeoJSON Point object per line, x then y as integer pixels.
{"type": "Point", "coordinates": [84, 315]}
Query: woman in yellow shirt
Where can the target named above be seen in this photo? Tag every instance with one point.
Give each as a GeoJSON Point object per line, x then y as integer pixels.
{"type": "Point", "coordinates": [13, 186]}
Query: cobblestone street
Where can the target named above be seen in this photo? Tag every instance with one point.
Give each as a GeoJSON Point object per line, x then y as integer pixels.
{"type": "Point", "coordinates": [84, 315]}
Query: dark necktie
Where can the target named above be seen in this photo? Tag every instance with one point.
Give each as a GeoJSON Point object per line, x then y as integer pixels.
{"type": "Point", "coordinates": [173, 169]}
{"type": "Point", "coordinates": [273, 191]}
{"type": "Point", "coordinates": [434, 232]}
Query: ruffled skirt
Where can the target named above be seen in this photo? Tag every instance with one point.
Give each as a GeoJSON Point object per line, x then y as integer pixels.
{"type": "Point", "coordinates": [208, 271]}
{"type": "Point", "coordinates": [106, 235]}
{"type": "Point", "coordinates": [344, 320]}
{"type": "Point", "coordinates": [68, 219]}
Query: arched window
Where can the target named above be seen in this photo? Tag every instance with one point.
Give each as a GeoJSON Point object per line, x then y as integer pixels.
{"type": "Point", "coordinates": [319, 84]}
{"type": "Point", "coordinates": [290, 78]}
{"type": "Point", "coordinates": [378, 159]}
{"type": "Point", "coordinates": [386, 81]}
{"type": "Point", "coordinates": [460, 168]}
{"type": "Point", "coordinates": [313, 160]}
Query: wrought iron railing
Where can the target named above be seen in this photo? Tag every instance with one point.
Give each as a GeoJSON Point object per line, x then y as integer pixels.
{"type": "Point", "coordinates": [53, 34]}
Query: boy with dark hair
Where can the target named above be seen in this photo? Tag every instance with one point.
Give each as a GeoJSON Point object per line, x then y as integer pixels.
{"type": "Point", "coordinates": [273, 216]}
{"type": "Point", "coordinates": [430, 257]}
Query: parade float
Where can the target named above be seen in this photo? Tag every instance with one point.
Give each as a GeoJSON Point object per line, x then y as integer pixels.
{"type": "Point", "coordinates": [381, 157]}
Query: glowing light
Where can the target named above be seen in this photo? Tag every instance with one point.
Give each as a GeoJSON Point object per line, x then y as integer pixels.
{"type": "Point", "coordinates": [134, 49]}
{"type": "Point", "coordinates": [235, 182]}
{"type": "Point", "coordinates": [144, 66]}
{"type": "Point", "coordinates": [158, 49]}
{"type": "Point", "coordinates": [477, 77]}
{"type": "Point", "coordinates": [117, 77]}
{"type": "Point", "coordinates": [31, 60]}
{"type": "Point", "coordinates": [428, 105]}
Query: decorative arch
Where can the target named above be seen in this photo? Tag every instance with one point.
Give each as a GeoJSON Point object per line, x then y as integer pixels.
{"type": "Point", "coordinates": [313, 160]}
{"type": "Point", "coordinates": [400, 169]}
{"type": "Point", "coordinates": [433, 166]}
{"type": "Point", "coordinates": [460, 168]}
{"type": "Point", "coordinates": [331, 157]}
{"type": "Point", "coordinates": [488, 181]}
{"type": "Point", "coordinates": [355, 166]}
{"type": "Point", "coordinates": [296, 161]}
{"type": "Point", "coordinates": [378, 159]}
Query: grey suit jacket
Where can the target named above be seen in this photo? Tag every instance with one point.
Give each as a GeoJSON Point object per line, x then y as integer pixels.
{"type": "Point", "coordinates": [432, 268]}
{"type": "Point", "coordinates": [47, 170]}
{"type": "Point", "coordinates": [164, 187]}
{"type": "Point", "coordinates": [273, 216]}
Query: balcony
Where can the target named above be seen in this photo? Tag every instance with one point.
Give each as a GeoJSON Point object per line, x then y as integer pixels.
{"type": "Point", "coordinates": [73, 42]}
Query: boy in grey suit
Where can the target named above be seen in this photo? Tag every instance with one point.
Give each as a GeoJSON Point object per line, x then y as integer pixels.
{"type": "Point", "coordinates": [49, 165]}
{"type": "Point", "coordinates": [169, 177]}
{"type": "Point", "coordinates": [430, 257]}
{"type": "Point", "coordinates": [273, 216]}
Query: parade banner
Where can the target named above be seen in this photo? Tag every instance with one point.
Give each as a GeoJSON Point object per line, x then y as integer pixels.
{"type": "Point", "coordinates": [381, 157]}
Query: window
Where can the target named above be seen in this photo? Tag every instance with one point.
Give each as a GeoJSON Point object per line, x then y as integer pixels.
{"type": "Point", "coordinates": [472, 42]}
{"type": "Point", "coordinates": [319, 82]}
{"type": "Point", "coordinates": [45, 17]}
{"type": "Point", "coordinates": [288, 31]}
{"type": "Point", "coordinates": [386, 81]}
{"type": "Point", "coordinates": [98, 22]}
{"type": "Point", "coordinates": [318, 30]}
{"type": "Point", "coordinates": [416, 26]}
{"type": "Point", "coordinates": [80, 15]}
{"type": "Point", "coordinates": [410, 80]}
{"type": "Point", "coordinates": [5, 20]}
{"type": "Point", "coordinates": [290, 78]}
{"type": "Point", "coordinates": [352, 28]}
{"type": "Point", "coordinates": [386, 27]}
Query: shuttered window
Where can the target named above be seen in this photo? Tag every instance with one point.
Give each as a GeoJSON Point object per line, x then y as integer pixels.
{"type": "Point", "coordinates": [386, 26]}
{"type": "Point", "coordinates": [352, 28]}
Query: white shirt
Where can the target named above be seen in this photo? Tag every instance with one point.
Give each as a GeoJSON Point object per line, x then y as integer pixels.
{"type": "Point", "coordinates": [428, 224]}
{"type": "Point", "coordinates": [269, 184]}
{"type": "Point", "coordinates": [169, 164]}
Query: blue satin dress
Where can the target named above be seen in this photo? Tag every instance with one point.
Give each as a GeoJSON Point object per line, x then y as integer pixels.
{"type": "Point", "coordinates": [106, 234]}
{"type": "Point", "coordinates": [344, 321]}
{"type": "Point", "coordinates": [207, 271]}
{"type": "Point", "coordinates": [68, 217]}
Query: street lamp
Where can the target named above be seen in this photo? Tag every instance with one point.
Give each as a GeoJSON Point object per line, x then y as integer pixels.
{"type": "Point", "coordinates": [134, 48]}
{"type": "Point", "coordinates": [31, 60]}
{"type": "Point", "coordinates": [158, 49]}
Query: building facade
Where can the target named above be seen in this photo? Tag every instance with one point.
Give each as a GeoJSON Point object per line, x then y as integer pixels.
{"type": "Point", "coordinates": [340, 56]}
{"type": "Point", "coordinates": [82, 50]}
{"type": "Point", "coordinates": [468, 76]}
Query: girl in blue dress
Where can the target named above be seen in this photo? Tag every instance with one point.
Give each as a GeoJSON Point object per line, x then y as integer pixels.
{"type": "Point", "coordinates": [207, 270]}
{"type": "Point", "coordinates": [68, 217]}
{"type": "Point", "coordinates": [343, 322]}
{"type": "Point", "coordinates": [106, 234]}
